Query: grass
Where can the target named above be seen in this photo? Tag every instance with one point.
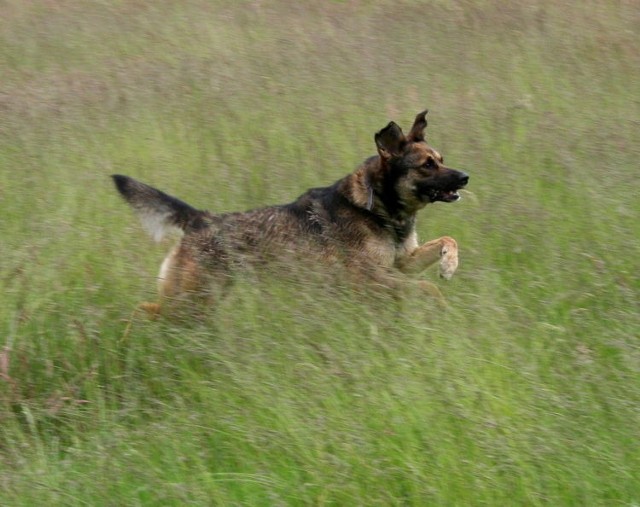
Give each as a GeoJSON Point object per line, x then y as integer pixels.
{"type": "Point", "coordinates": [525, 392]}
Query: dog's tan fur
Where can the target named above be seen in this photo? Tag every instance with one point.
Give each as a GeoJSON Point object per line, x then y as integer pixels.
{"type": "Point", "coordinates": [364, 222]}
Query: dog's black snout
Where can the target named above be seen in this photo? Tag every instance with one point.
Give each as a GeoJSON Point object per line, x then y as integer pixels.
{"type": "Point", "coordinates": [463, 178]}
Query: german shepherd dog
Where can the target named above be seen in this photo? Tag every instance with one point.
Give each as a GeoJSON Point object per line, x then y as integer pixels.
{"type": "Point", "coordinates": [364, 222]}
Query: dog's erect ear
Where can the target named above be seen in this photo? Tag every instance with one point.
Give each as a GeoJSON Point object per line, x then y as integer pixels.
{"type": "Point", "coordinates": [417, 131]}
{"type": "Point", "coordinates": [390, 141]}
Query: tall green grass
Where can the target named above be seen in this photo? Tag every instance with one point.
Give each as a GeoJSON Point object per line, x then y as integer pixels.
{"type": "Point", "coordinates": [525, 392]}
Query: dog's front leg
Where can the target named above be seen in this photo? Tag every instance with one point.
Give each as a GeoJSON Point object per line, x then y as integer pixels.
{"type": "Point", "coordinates": [398, 286]}
{"type": "Point", "coordinates": [443, 249]}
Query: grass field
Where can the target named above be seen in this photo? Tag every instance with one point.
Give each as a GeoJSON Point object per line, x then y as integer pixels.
{"type": "Point", "coordinates": [525, 392]}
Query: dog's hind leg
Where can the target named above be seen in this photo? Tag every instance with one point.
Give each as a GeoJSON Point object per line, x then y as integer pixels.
{"type": "Point", "coordinates": [186, 286]}
{"type": "Point", "coordinates": [176, 278]}
{"type": "Point", "coordinates": [443, 249]}
{"type": "Point", "coordinates": [166, 285]}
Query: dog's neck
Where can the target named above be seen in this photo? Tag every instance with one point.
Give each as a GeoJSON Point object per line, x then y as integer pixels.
{"type": "Point", "coordinates": [364, 195]}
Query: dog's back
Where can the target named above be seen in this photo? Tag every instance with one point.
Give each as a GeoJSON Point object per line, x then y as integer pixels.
{"type": "Point", "coordinates": [314, 223]}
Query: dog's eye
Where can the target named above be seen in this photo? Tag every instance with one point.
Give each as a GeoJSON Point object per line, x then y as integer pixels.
{"type": "Point", "coordinates": [429, 164]}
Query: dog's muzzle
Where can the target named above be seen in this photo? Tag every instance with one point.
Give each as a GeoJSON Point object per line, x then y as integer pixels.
{"type": "Point", "coordinates": [450, 192]}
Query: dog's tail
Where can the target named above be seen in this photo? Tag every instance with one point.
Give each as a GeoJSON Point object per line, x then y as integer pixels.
{"type": "Point", "coordinates": [159, 213]}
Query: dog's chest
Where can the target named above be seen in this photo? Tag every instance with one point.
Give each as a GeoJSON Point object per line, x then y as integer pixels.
{"type": "Point", "coordinates": [408, 245]}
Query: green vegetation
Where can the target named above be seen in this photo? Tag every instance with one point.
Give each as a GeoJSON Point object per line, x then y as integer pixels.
{"type": "Point", "coordinates": [526, 392]}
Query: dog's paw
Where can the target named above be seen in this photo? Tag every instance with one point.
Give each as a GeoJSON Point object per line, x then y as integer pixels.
{"type": "Point", "coordinates": [448, 258]}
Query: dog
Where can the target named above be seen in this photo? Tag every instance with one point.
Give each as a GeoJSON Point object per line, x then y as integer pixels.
{"type": "Point", "coordinates": [364, 223]}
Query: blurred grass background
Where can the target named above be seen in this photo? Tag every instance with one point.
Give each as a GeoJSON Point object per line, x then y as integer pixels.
{"type": "Point", "coordinates": [526, 392]}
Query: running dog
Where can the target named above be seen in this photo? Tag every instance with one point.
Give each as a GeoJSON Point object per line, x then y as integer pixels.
{"type": "Point", "coordinates": [364, 223]}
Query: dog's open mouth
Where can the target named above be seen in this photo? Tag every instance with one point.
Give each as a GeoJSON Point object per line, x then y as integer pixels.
{"type": "Point", "coordinates": [448, 196]}
{"type": "Point", "coordinates": [444, 195]}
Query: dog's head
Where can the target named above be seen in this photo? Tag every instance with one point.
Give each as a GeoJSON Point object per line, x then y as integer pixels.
{"type": "Point", "coordinates": [411, 174]}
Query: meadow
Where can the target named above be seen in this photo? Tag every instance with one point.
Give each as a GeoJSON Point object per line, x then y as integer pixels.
{"type": "Point", "coordinates": [526, 391]}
